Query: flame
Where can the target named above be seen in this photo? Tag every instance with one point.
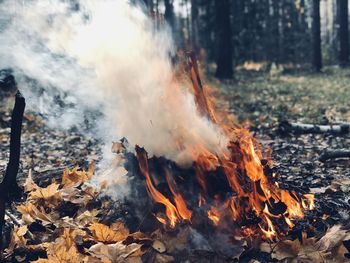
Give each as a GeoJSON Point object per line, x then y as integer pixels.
{"type": "Point", "coordinates": [214, 215]}
{"type": "Point", "coordinates": [170, 209]}
{"type": "Point", "coordinates": [270, 232]}
{"type": "Point", "coordinates": [311, 201]}
{"type": "Point", "coordinates": [180, 203]}
{"type": "Point", "coordinates": [250, 194]}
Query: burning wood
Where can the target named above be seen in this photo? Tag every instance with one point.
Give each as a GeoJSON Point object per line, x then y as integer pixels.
{"type": "Point", "coordinates": [199, 92]}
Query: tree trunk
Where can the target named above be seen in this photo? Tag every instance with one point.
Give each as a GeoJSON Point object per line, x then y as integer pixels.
{"type": "Point", "coordinates": [169, 12]}
{"type": "Point", "coordinates": [224, 46]}
{"type": "Point", "coordinates": [343, 32]}
{"type": "Point", "coordinates": [316, 31]}
{"type": "Point", "coordinates": [194, 25]}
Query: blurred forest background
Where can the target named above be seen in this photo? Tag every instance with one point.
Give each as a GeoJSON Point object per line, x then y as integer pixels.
{"type": "Point", "coordinates": [274, 33]}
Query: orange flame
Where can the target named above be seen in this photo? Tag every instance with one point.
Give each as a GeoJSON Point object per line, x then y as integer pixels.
{"type": "Point", "coordinates": [170, 209]}
{"type": "Point", "coordinates": [214, 215]}
{"type": "Point", "coordinates": [253, 194]}
{"type": "Point", "coordinates": [181, 206]}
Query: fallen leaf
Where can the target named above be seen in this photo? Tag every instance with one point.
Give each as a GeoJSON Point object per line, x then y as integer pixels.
{"type": "Point", "coordinates": [75, 176]}
{"type": "Point", "coordinates": [31, 213]}
{"type": "Point", "coordinates": [106, 234]}
{"type": "Point", "coordinates": [29, 185]}
{"type": "Point", "coordinates": [117, 252]}
{"type": "Point", "coordinates": [49, 194]}
{"type": "Point", "coordinates": [333, 238]}
{"type": "Point", "coordinates": [159, 246]}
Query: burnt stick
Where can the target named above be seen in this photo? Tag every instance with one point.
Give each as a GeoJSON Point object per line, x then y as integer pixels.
{"type": "Point", "coordinates": [8, 186]}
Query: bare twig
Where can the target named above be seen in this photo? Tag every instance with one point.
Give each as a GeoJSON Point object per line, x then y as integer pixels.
{"type": "Point", "coordinates": [8, 186]}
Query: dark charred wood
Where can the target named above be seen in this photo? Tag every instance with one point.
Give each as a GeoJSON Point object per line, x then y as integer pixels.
{"type": "Point", "coordinates": [8, 187]}
{"type": "Point", "coordinates": [288, 127]}
{"type": "Point", "coordinates": [333, 154]}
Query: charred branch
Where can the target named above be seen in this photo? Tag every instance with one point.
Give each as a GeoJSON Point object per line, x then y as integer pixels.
{"type": "Point", "coordinates": [9, 187]}
{"type": "Point", "coordinates": [286, 127]}
{"type": "Point", "coordinates": [199, 93]}
{"type": "Point", "coordinates": [334, 154]}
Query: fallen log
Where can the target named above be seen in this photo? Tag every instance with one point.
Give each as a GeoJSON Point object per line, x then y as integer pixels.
{"type": "Point", "coordinates": [333, 154]}
{"type": "Point", "coordinates": [287, 127]}
{"type": "Point", "coordinates": [9, 187]}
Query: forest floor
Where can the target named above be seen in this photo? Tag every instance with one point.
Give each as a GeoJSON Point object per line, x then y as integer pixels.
{"type": "Point", "coordinates": [258, 100]}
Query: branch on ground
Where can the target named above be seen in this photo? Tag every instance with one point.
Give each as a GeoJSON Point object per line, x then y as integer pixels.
{"type": "Point", "coordinates": [287, 127]}
{"type": "Point", "coordinates": [333, 154]}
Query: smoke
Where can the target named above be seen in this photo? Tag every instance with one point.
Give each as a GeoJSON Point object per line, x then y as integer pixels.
{"type": "Point", "coordinates": [106, 56]}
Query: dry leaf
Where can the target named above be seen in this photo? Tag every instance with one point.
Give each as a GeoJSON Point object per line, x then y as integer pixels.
{"type": "Point", "coordinates": [74, 177]}
{"type": "Point", "coordinates": [163, 258]}
{"type": "Point", "coordinates": [105, 233]}
{"type": "Point", "coordinates": [49, 194]}
{"type": "Point", "coordinates": [64, 249]}
{"type": "Point", "coordinates": [29, 185]}
{"type": "Point", "coordinates": [159, 246]}
{"type": "Point", "coordinates": [31, 213]}
{"type": "Point", "coordinates": [333, 238]}
{"type": "Point", "coordinates": [117, 252]}
{"type": "Point", "coordinates": [17, 239]}
{"type": "Point", "coordinates": [87, 217]}
{"type": "Point", "coordinates": [328, 249]}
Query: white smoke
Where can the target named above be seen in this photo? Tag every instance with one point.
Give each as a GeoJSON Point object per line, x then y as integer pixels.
{"type": "Point", "coordinates": [104, 55]}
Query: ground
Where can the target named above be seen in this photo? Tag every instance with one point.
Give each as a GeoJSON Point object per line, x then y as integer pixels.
{"type": "Point", "coordinates": [258, 100]}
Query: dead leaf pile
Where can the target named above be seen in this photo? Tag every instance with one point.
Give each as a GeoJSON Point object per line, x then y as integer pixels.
{"type": "Point", "coordinates": [330, 248]}
{"type": "Point", "coordinates": [62, 221]}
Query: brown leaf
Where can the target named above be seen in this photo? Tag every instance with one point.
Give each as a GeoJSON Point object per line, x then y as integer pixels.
{"type": "Point", "coordinates": [75, 176]}
{"type": "Point", "coordinates": [107, 234]}
{"type": "Point", "coordinates": [17, 239]}
{"type": "Point", "coordinates": [159, 246]}
{"type": "Point", "coordinates": [49, 193]}
{"type": "Point", "coordinates": [333, 238]}
{"type": "Point", "coordinates": [29, 185]}
{"type": "Point", "coordinates": [328, 249]}
{"type": "Point", "coordinates": [64, 248]}
{"type": "Point", "coordinates": [117, 252]}
{"type": "Point", "coordinates": [30, 213]}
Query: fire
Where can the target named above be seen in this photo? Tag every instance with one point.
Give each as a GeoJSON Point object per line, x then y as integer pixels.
{"type": "Point", "coordinates": [171, 210]}
{"type": "Point", "coordinates": [247, 195]}
{"type": "Point", "coordinates": [214, 215]}
{"type": "Point", "coordinates": [180, 203]}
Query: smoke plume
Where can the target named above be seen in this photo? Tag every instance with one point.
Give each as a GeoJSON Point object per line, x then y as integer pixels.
{"type": "Point", "coordinates": [106, 56]}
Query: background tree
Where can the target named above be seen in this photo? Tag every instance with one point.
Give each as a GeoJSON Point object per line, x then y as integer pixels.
{"type": "Point", "coordinates": [223, 39]}
{"type": "Point", "coordinates": [343, 32]}
{"type": "Point", "coordinates": [316, 31]}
